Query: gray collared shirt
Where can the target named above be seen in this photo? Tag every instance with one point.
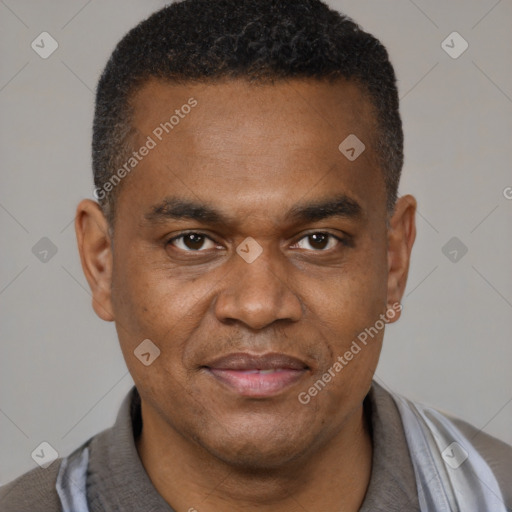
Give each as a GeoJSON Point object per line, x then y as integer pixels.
{"type": "Point", "coordinates": [392, 484]}
{"type": "Point", "coordinates": [117, 481]}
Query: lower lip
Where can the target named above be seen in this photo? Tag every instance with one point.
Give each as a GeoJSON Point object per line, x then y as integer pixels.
{"type": "Point", "coordinates": [257, 385]}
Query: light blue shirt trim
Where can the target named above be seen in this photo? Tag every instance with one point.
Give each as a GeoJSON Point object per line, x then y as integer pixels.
{"type": "Point", "coordinates": [72, 483]}
{"type": "Point", "coordinates": [451, 475]}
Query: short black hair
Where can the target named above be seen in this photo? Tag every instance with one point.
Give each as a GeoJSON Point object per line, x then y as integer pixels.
{"type": "Point", "coordinates": [257, 40]}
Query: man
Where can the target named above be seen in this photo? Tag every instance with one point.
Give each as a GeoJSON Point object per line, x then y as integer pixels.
{"type": "Point", "coordinates": [250, 247]}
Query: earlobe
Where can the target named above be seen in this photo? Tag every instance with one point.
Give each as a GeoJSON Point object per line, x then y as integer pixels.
{"type": "Point", "coordinates": [94, 246]}
{"type": "Point", "coordinates": [401, 236]}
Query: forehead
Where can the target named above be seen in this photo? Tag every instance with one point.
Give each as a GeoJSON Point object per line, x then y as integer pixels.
{"type": "Point", "coordinates": [241, 142]}
{"type": "Point", "coordinates": [237, 104]}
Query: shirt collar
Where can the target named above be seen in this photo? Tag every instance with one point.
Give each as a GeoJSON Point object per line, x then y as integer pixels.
{"type": "Point", "coordinates": [117, 479]}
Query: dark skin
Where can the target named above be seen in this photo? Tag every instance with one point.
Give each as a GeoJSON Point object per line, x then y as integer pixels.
{"type": "Point", "coordinates": [255, 154]}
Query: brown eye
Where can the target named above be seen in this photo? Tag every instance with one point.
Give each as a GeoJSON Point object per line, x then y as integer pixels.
{"type": "Point", "coordinates": [318, 241]}
{"type": "Point", "coordinates": [192, 242]}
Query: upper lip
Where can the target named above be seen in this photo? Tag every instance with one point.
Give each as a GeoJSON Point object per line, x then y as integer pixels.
{"type": "Point", "coordinates": [244, 361]}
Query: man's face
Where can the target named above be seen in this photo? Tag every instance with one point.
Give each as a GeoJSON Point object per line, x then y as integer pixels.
{"type": "Point", "coordinates": [251, 161]}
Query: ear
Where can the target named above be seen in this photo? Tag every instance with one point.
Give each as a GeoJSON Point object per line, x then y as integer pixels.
{"type": "Point", "coordinates": [94, 245]}
{"type": "Point", "coordinates": [401, 236]}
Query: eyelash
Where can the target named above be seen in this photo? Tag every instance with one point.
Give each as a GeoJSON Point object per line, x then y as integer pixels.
{"type": "Point", "coordinates": [347, 242]}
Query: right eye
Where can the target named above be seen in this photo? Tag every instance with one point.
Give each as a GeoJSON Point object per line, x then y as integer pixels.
{"type": "Point", "coordinates": [192, 242]}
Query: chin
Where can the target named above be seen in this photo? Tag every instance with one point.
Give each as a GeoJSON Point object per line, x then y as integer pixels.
{"type": "Point", "coordinates": [254, 450]}
{"type": "Point", "coordinates": [250, 459]}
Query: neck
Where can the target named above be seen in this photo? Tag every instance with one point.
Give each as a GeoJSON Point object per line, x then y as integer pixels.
{"type": "Point", "coordinates": [334, 477]}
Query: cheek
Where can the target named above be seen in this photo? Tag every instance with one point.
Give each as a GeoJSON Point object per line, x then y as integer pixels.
{"type": "Point", "coordinates": [349, 309]}
{"type": "Point", "coordinates": [148, 305]}
{"type": "Point", "coordinates": [150, 298]}
{"type": "Point", "coordinates": [353, 298]}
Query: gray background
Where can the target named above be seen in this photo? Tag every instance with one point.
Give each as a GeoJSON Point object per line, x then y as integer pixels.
{"type": "Point", "coordinates": [62, 375]}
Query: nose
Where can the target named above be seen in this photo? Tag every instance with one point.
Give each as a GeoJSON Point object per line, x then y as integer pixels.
{"type": "Point", "coordinates": [258, 294]}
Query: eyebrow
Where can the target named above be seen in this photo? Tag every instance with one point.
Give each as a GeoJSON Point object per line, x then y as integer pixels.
{"type": "Point", "coordinates": [339, 206]}
{"type": "Point", "coordinates": [183, 209]}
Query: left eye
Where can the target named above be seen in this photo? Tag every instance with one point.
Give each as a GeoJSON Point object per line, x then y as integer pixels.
{"type": "Point", "coordinates": [318, 241]}
{"type": "Point", "coordinates": [192, 242]}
